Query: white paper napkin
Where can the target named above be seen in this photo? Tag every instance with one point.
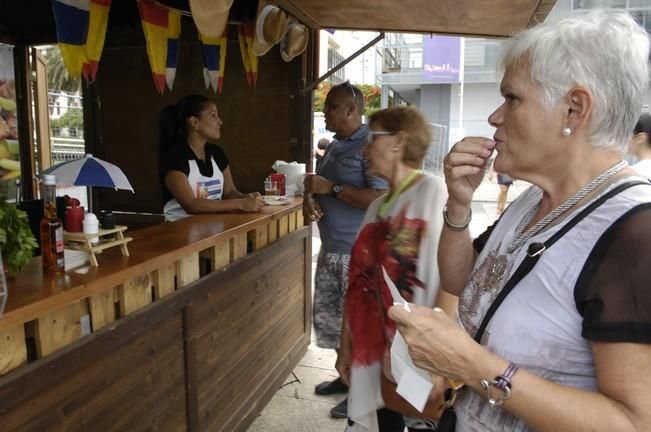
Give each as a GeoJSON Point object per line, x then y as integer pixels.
{"type": "Point", "coordinates": [414, 383]}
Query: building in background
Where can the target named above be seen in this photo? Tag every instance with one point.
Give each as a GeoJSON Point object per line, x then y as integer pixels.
{"type": "Point", "coordinates": [454, 80]}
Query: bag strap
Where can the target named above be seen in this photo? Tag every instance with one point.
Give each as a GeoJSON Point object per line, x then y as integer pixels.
{"type": "Point", "coordinates": [535, 250]}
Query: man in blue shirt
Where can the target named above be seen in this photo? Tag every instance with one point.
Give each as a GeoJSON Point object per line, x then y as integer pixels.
{"type": "Point", "coordinates": [337, 197]}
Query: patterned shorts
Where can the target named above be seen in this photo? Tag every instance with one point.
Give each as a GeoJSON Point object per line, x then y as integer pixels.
{"type": "Point", "coordinates": [330, 284]}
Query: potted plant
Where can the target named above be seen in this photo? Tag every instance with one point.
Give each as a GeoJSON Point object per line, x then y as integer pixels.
{"type": "Point", "coordinates": [16, 239]}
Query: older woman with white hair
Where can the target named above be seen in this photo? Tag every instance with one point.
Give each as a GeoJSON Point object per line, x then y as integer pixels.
{"type": "Point", "coordinates": [555, 305]}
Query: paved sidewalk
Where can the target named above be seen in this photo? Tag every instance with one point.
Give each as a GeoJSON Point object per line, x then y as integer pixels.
{"type": "Point", "coordinates": [295, 407]}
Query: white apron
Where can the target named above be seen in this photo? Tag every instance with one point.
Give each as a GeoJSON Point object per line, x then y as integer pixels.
{"type": "Point", "coordinates": [202, 187]}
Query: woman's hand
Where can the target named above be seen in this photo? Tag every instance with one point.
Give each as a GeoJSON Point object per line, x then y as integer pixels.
{"type": "Point", "coordinates": [464, 168]}
{"type": "Point", "coordinates": [344, 361]}
{"type": "Point", "coordinates": [436, 343]}
{"type": "Point", "coordinates": [252, 204]}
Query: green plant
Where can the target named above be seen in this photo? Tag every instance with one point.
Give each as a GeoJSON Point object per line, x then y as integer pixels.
{"type": "Point", "coordinates": [16, 239]}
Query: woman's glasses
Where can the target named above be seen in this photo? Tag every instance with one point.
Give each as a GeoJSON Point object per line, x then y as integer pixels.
{"type": "Point", "coordinates": [371, 135]}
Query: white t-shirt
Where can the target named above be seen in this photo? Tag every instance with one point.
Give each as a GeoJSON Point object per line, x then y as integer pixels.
{"type": "Point", "coordinates": [538, 326]}
{"type": "Point", "coordinates": [643, 168]}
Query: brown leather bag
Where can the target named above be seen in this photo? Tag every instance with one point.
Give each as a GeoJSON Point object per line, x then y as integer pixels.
{"type": "Point", "coordinates": [397, 403]}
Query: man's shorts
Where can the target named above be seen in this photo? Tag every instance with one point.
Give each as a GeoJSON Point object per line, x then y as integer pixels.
{"type": "Point", "coordinates": [330, 285]}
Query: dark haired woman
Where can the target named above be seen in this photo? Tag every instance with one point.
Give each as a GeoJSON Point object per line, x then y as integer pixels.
{"type": "Point", "coordinates": [640, 145]}
{"type": "Point", "coordinates": [195, 173]}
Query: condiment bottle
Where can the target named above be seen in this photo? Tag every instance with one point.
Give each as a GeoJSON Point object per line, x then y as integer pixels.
{"type": "Point", "coordinates": [91, 226]}
{"type": "Point", "coordinates": [74, 217]}
{"type": "Point", "coordinates": [51, 228]}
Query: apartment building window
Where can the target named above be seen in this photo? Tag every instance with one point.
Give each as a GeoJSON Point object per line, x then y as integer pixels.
{"type": "Point", "coordinates": [334, 58]}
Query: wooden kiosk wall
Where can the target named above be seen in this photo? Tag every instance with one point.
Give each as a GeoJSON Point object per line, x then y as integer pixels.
{"type": "Point", "coordinates": [261, 124]}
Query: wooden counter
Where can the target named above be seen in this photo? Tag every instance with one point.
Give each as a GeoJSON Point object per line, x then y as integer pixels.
{"type": "Point", "coordinates": [170, 344]}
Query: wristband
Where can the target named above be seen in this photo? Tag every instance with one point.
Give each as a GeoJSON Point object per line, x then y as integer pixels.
{"type": "Point", "coordinates": [452, 226]}
{"type": "Point", "coordinates": [501, 383]}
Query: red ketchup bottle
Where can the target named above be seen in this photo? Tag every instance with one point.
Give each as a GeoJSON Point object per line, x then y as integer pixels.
{"type": "Point", "coordinates": [74, 216]}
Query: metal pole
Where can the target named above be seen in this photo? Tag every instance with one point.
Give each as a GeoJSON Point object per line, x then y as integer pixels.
{"type": "Point", "coordinates": [352, 57]}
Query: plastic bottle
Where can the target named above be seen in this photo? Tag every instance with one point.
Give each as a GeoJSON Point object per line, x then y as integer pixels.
{"type": "Point", "coordinates": [51, 228]}
{"type": "Point", "coordinates": [91, 226]}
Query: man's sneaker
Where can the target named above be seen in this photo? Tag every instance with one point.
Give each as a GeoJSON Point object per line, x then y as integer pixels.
{"type": "Point", "coordinates": [341, 410]}
{"type": "Point", "coordinates": [331, 387]}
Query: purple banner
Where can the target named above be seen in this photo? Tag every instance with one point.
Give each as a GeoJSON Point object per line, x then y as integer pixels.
{"type": "Point", "coordinates": [442, 58]}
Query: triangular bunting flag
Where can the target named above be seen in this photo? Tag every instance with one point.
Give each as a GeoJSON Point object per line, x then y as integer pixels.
{"type": "Point", "coordinates": [173, 34]}
{"type": "Point", "coordinates": [250, 60]}
{"type": "Point", "coordinates": [214, 60]}
{"type": "Point", "coordinates": [71, 17]}
{"type": "Point", "coordinates": [154, 19]}
{"type": "Point", "coordinates": [98, 21]}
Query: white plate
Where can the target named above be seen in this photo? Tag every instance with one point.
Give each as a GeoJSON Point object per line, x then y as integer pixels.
{"type": "Point", "coordinates": [275, 200]}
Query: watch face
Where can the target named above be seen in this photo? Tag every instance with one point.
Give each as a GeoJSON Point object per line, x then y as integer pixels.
{"type": "Point", "coordinates": [337, 188]}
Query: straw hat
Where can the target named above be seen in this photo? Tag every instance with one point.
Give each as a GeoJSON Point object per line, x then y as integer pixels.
{"type": "Point", "coordinates": [270, 27]}
{"type": "Point", "coordinates": [210, 16]}
{"type": "Point", "coordinates": [295, 41]}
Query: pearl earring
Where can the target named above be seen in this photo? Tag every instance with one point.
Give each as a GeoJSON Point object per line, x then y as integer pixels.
{"type": "Point", "coordinates": [395, 149]}
{"type": "Point", "coordinates": [566, 132]}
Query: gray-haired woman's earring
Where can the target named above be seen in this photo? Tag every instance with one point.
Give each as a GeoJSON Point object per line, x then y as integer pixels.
{"type": "Point", "coordinates": [566, 132]}
{"type": "Point", "coordinates": [395, 149]}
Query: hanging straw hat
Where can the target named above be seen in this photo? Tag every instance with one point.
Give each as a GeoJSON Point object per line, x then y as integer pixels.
{"type": "Point", "coordinates": [295, 41]}
{"type": "Point", "coordinates": [210, 16]}
{"type": "Point", "coordinates": [270, 27]}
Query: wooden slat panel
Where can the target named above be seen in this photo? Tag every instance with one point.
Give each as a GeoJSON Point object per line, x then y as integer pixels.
{"type": "Point", "coordinates": [13, 351]}
{"type": "Point", "coordinates": [272, 230]}
{"type": "Point", "coordinates": [135, 294]}
{"type": "Point", "coordinates": [264, 307]}
{"type": "Point", "coordinates": [238, 246]}
{"type": "Point", "coordinates": [299, 219]}
{"type": "Point", "coordinates": [283, 226]}
{"type": "Point", "coordinates": [57, 329]}
{"type": "Point", "coordinates": [292, 222]}
{"type": "Point", "coordinates": [187, 270]}
{"type": "Point", "coordinates": [163, 281]}
{"type": "Point", "coordinates": [102, 309]}
{"type": "Point", "coordinates": [221, 255]}
{"type": "Point", "coordinates": [137, 383]}
{"type": "Point", "coordinates": [259, 237]}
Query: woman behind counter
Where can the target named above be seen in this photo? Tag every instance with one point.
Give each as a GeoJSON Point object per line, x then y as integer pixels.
{"type": "Point", "coordinates": [195, 173]}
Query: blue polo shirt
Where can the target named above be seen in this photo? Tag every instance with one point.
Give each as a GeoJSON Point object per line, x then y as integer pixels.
{"type": "Point", "coordinates": [343, 163]}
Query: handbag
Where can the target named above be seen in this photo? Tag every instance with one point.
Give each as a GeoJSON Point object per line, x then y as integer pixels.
{"type": "Point", "coordinates": [448, 420]}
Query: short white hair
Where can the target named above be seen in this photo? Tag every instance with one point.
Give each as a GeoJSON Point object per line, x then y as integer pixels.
{"type": "Point", "coordinates": [605, 52]}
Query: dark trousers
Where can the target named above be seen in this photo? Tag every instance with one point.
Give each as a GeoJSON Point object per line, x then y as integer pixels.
{"type": "Point", "coordinates": [388, 421]}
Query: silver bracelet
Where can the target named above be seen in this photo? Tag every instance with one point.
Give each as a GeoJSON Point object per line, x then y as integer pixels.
{"type": "Point", "coordinates": [455, 227]}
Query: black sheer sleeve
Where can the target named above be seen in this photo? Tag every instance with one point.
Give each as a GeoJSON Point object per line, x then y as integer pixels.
{"type": "Point", "coordinates": [613, 291]}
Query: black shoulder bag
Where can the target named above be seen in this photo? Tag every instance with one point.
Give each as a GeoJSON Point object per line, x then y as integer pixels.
{"type": "Point", "coordinates": [448, 420]}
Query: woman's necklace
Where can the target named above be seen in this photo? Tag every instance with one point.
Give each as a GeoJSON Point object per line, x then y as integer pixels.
{"type": "Point", "coordinates": [390, 199]}
{"type": "Point", "coordinates": [501, 264]}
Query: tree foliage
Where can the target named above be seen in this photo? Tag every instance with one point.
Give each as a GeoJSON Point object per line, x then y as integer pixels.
{"type": "Point", "coordinates": [372, 97]}
{"type": "Point", "coordinates": [73, 118]}
{"type": "Point", "coordinates": [58, 79]}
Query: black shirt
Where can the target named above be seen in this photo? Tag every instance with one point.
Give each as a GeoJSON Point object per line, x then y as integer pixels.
{"type": "Point", "coordinates": [176, 159]}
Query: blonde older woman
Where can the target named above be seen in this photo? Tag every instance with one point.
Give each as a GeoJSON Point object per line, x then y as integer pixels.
{"type": "Point", "coordinates": [568, 347]}
{"type": "Point", "coordinates": [400, 233]}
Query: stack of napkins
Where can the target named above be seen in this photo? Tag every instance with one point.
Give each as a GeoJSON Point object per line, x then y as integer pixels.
{"type": "Point", "coordinates": [414, 383]}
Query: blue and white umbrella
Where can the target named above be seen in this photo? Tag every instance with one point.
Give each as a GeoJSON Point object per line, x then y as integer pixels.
{"type": "Point", "coordinates": [89, 171]}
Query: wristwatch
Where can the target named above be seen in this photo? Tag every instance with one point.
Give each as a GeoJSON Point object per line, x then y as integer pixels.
{"type": "Point", "coordinates": [336, 189]}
